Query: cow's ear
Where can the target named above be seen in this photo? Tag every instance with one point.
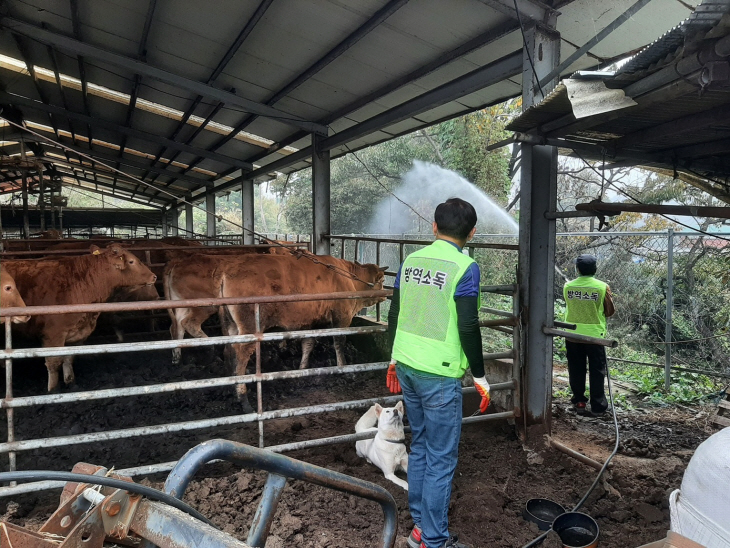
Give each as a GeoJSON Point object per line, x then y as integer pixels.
{"type": "Point", "coordinates": [94, 249]}
{"type": "Point", "coordinates": [384, 268]}
{"type": "Point", "coordinates": [399, 406]}
{"type": "Point", "coordinates": [378, 409]}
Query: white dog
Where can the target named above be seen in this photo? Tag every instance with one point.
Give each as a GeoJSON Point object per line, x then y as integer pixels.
{"type": "Point", "coordinates": [387, 450]}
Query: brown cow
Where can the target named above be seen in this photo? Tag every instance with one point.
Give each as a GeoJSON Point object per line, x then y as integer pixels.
{"type": "Point", "coordinates": [89, 278]}
{"type": "Point", "coordinates": [255, 275]}
{"type": "Point", "coordinates": [9, 295]}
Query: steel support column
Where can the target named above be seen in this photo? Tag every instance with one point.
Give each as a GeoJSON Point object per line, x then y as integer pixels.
{"type": "Point", "coordinates": [536, 268]}
{"type": "Point", "coordinates": [210, 214]}
{"type": "Point", "coordinates": [247, 214]}
{"type": "Point", "coordinates": [189, 220]}
{"type": "Point", "coordinates": [320, 198]}
{"type": "Point", "coordinates": [174, 221]}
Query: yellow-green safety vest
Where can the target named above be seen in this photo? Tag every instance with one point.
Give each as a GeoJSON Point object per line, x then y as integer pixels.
{"type": "Point", "coordinates": [427, 337]}
{"type": "Point", "coordinates": [584, 298]}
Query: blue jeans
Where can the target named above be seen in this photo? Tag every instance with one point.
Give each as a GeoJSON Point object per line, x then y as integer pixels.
{"type": "Point", "coordinates": [433, 408]}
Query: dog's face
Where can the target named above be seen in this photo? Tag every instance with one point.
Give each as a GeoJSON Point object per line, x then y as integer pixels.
{"type": "Point", "coordinates": [389, 417]}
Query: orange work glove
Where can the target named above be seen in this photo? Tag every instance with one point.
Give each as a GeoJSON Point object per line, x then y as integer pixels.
{"type": "Point", "coordinates": [392, 379]}
{"type": "Point", "coordinates": [482, 386]}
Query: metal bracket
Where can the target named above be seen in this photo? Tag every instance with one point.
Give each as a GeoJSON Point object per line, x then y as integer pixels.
{"type": "Point", "coordinates": [117, 512]}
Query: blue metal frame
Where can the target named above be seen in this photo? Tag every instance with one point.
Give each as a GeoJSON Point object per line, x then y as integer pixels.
{"type": "Point", "coordinates": [280, 468]}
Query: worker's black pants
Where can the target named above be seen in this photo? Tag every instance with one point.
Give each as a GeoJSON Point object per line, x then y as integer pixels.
{"type": "Point", "coordinates": [596, 355]}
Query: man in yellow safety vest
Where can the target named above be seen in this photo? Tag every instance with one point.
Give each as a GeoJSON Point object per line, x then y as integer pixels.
{"type": "Point", "coordinates": [588, 303]}
{"type": "Point", "coordinates": [434, 332]}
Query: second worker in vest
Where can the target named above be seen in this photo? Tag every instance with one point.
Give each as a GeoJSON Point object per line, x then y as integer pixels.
{"type": "Point", "coordinates": [434, 328]}
{"type": "Point", "coordinates": [588, 303]}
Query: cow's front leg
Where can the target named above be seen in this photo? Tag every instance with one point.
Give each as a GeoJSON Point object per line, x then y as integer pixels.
{"type": "Point", "coordinates": [53, 364]}
{"type": "Point", "coordinates": [68, 370]}
{"type": "Point", "coordinates": [307, 347]}
{"type": "Point", "coordinates": [340, 350]}
{"type": "Point", "coordinates": [243, 354]}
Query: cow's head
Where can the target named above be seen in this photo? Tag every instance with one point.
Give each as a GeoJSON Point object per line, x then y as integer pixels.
{"type": "Point", "coordinates": [130, 269]}
{"type": "Point", "coordinates": [372, 274]}
{"type": "Point", "coordinates": [9, 296]}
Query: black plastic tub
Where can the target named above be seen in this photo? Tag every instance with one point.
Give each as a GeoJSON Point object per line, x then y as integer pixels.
{"type": "Point", "coordinates": [576, 530]}
{"type": "Point", "coordinates": [542, 512]}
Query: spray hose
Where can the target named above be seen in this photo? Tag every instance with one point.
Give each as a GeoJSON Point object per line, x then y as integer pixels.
{"type": "Point", "coordinates": [538, 540]}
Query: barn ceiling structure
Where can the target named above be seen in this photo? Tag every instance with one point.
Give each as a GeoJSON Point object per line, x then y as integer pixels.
{"type": "Point", "coordinates": [166, 103]}
{"type": "Point", "coordinates": [195, 100]}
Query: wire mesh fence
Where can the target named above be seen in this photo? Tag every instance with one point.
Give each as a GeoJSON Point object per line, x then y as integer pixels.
{"type": "Point", "coordinates": [671, 289]}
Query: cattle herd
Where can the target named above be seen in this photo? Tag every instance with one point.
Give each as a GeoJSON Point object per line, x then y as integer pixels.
{"type": "Point", "coordinates": [128, 271]}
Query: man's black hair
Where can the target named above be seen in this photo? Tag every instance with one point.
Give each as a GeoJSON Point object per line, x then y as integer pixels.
{"type": "Point", "coordinates": [455, 218]}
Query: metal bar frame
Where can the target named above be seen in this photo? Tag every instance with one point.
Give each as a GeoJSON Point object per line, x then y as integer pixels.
{"type": "Point", "coordinates": [670, 306]}
{"type": "Point", "coordinates": [10, 403]}
{"type": "Point", "coordinates": [122, 130]}
{"type": "Point", "coordinates": [80, 48]}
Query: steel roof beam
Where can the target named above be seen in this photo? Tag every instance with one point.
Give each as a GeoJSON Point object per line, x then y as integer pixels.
{"type": "Point", "coordinates": [19, 100]}
{"type": "Point", "coordinates": [109, 185]}
{"type": "Point", "coordinates": [475, 43]}
{"type": "Point", "coordinates": [76, 25]}
{"type": "Point", "coordinates": [485, 76]}
{"type": "Point", "coordinates": [490, 74]}
{"type": "Point", "coordinates": [608, 29]}
{"type": "Point", "coordinates": [247, 29]}
{"type": "Point", "coordinates": [133, 164]}
{"type": "Point", "coordinates": [371, 24]}
{"type": "Point", "coordinates": [141, 55]}
{"type": "Point", "coordinates": [676, 127]}
{"type": "Point", "coordinates": [138, 67]}
{"type": "Point", "coordinates": [76, 176]}
{"type": "Point", "coordinates": [530, 11]}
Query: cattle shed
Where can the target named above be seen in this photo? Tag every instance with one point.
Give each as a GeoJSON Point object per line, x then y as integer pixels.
{"type": "Point", "coordinates": [166, 104]}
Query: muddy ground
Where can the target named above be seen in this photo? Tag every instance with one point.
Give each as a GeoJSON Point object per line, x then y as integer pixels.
{"type": "Point", "coordinates": [494, 479]}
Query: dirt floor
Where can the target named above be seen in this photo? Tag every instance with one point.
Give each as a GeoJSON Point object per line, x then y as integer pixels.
{"type": "Point", "coordinates": [494, 479]}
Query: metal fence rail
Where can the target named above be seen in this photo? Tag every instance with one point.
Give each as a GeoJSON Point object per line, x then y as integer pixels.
{"type": "Point", "coordinates": [260, 416]}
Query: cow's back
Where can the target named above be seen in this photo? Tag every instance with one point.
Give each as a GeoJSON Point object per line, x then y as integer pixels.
{"type": "Point", "coordinates": [267, 275]}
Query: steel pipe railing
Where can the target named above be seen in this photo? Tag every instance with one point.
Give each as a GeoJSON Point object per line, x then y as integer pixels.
{"type": "Point", "coordinates": [612, 343]}
{"type": "Point", "coordinates": [187, 303]}
{"type": "Point", "coordinates": [476, 245]}
{"type": "Point", "coordinates": [185, 343]}
{"type": "Point", "coordinates": [125, 245]}
{"type": "Point", "coordinates": [109, 435]}
{"type": "Point", "coordinates": [150, 469]}
{"type": "Point", "coordinates": [108, 393]}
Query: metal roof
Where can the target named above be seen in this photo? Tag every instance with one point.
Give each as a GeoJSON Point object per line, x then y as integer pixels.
{"type": "Point", "coordinates": [676, 115]}
{"type": "Point", "coordinates": [190, 96]}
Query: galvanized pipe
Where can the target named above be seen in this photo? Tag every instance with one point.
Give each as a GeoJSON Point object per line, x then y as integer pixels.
{"type": "Point", "coordinates": [185, 343]}
{"type": "Point", "coordinates": [612, 343]}
{"type": "Point", "coordinates": [61, 441]}
{"type": "Point", "coordinates": [149, 469]}
{"type": "Point", "coordinates": [496, 312]}
{"type": "Point", "coordinates": [477, 245]}
{"type": "Point", "coordinates": [510, 321]}
{"type": "Point", "coordinates": [12, 465]}
{"type": "Point", "coordinates": [510, 354]}
{"type": "Point", "coordinates": [75, 397]}
{"type": "Point", "coordinates": [501, 289]}
{"type": "Point", "coordinates": [670, 302]}
{"type": "Point", "coordinates": [188, 303]}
